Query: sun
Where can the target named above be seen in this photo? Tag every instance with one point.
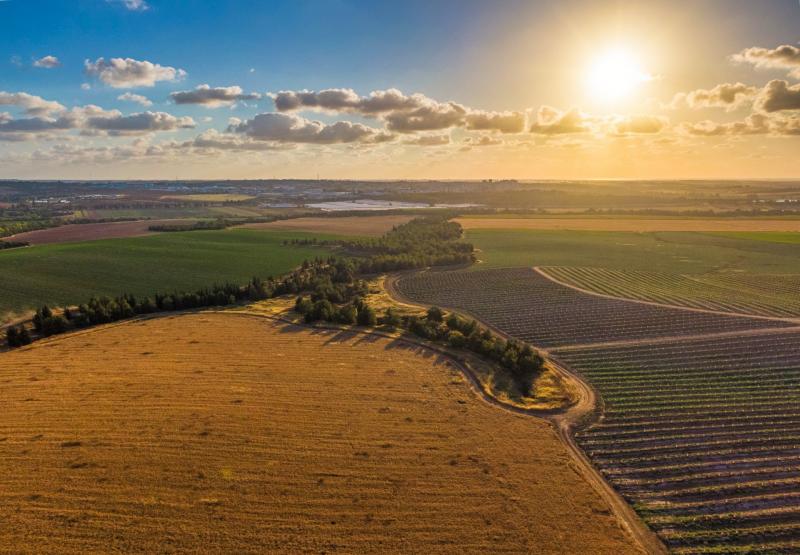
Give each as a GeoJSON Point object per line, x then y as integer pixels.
{"type": "Point", "coordinates": [616, 74]}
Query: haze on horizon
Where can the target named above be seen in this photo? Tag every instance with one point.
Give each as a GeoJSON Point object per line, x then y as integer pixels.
{"type": "Point", "coordinates": [553, 89]}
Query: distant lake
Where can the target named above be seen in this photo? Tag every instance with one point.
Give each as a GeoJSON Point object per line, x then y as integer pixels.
{"type": "Point", "coordinates": [367, 204]}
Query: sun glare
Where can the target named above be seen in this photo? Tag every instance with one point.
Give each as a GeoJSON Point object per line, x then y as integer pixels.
{"type": "Point", "coordinates": [615, 75]}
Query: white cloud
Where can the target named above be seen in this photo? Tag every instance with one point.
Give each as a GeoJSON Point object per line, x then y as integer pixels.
{"type": "Point", "coordinates": [551, 121]}
{"type": "Point", "coordinates": [639, 124]}
{"type": "Point", "coordinates": [785, 57]}
{"type": "Point", "coordinates": [290, 128]}
{"type": "Point", "coordinates": [144, 122]}
{"type": "Point", "coordinates": [212, 97]}
{"type": "Point", "coordinates": [85, 86]}
{"type": "Point", "coordinates": [401, 112]}
{"type": "Point", "coordinates": [429, 140]}
{"type": "Point", "coordinates": [33, 105]}
{"type": "Point", "coordinates": [132, 5]}
{"type": "Point", "coordinates": [122, 73]}
{"type": "Point", "coordinates": [47, 62]}
{"type": "Point", "coordinates": [729, 96]}
{"type": "Point", "coordinates": [778, 96]}
{"type": "Point", "coordinates": [138, 98]}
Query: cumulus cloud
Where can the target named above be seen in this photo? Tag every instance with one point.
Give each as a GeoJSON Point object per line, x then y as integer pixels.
{"type": "Point", "coordinates": [786, 57]}
{"type": "Point", "coordinates": [551, 121]}
{"type": "Point", "coordinates": [122, 73]}
{"type": "Point", "coordinates": [729, 96]}
{"type": "Point", "coordinates": [639, 124]}
{"type": "Point", "coordinates": [212, 97]}
{"type": "Point", "coordinates": [33, 105]}
{"type": "Point", "coordinates": [483, 140]}
{"type": "Point", "coordinates": [777, 96]}
{"type": "Point", "coordinates": [144, 122]}
{"type": "Point", "coordinates": [505, 122]}
{"type": "Point", "coordinates": [47, 62]}
{"type": "Point", "coordinates": [428, 140]}
{"type": "Point", "coordinates": [401, 112]}
{"type": "Point", "coordinates": [213, 140]}
{"type": "Point", "coordinates": [754, 124]}
{"type": "Point", "coordinates": [138, 98]}
{"type": "Point", "coordinates": [289, 128]}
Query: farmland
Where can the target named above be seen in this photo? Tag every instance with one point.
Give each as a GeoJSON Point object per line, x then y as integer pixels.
{"type": "Point", "coordinates": [760, 294]}
{"type": "Point", "coordinates": [529, 306]}
{"type": "Point", "coordinates": [287, 439]}
{"type": "Point", "coordinates": [74, 272]}
{"type": "Point", "coordinates": [699, 410]}
{"type": "Point", "coordinates": [72, 233]}
{"type": "Point", "coordinates": [632, 224]}
{"type": "Point", "coordinates": [347, 225]}
{"type": "Point", "coordinates": [668, 252]}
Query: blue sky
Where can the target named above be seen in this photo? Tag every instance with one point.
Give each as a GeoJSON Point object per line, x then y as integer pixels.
{"type": "Point", "coordinates": [493, 56]}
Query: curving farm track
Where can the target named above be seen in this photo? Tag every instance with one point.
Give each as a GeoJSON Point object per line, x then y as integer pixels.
{"type": "Point", "coordinates": [698, 428]}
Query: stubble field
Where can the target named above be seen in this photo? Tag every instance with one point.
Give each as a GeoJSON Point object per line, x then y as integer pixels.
{"type": "Point", "coordinates": [222, 432]}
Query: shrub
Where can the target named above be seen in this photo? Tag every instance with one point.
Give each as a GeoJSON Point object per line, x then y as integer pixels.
{"type": "Point", "coordinates": [366, 316]}
{"type": "Point", "coordinates": [391, 318]}
{"type": "Point", "coordinates": [346, 314]}
{"type": "Point", "coordinates": [435, 314]}
{"type": "Point", "coordinates": [456, 339]}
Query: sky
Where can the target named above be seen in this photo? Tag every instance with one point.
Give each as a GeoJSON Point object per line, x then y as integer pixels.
{"type": "Point", "coordinates": [443, 89]}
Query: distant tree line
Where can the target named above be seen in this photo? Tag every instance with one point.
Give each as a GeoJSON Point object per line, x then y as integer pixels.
{"type": "Point", "coordinates": [12, 244]}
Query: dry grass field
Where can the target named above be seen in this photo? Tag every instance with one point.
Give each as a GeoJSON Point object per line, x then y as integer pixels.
{"type": "Point", "coordinates": [639, 225]}
{"type": "Point", "coordinates": [347, 225]}
{"type": "Point", "coordinates": [72, 233]}
{"type": "Point", "coordinates": [219, 432]}
{"type": "Point", "coordinates": [210, 197]}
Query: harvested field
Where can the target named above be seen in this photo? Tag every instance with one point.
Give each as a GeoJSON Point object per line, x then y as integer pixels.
{"type": "Point", "coordinates": [72, 233]}
{"type": "Point", "coordinates": [758, 294]}
{"type": "Point", "coordinates": [639, 225]}
{"type": "Point", "coordinates": [699, 428]}
{"type": "Point", "coordinates": [527, 305]}
{"type": "Point", "coordinates": [164, 435]}
{"type": "Point", "coordinates": [355, 225]}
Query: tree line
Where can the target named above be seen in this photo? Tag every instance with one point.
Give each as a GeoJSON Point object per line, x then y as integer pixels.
{"type": "Point", "coordinates": [329, 289]}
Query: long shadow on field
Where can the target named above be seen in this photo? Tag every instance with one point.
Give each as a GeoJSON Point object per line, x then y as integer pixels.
{"type": "Point", "coordinates": [358, 337]}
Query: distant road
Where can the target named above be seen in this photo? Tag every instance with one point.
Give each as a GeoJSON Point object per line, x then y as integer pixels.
{"type": "Point", "coordinates": [637, 224]}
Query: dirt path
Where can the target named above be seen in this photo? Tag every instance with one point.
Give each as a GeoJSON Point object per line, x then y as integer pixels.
{"type": "Point", "coordinates": [587, 407]}
{"type": "Point", "coordinates": [544, 274]}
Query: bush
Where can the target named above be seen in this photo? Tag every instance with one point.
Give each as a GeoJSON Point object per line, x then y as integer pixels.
{"type": "Point", "coordinates": [347, 314]}
{"type": "Point", "coordinates": [366, 316]}
{"type": "Point", "coordinates": [456, 339]}
{"type": "Point", "coordinates": [435, 314]}
{"type": "Point", "coordinates": [17, 336]}
{"type": "Point", "coordinates": [391, 318]}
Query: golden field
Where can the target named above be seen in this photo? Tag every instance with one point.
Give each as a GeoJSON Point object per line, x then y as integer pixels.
{"type": "Point", "coordinates": [217, 432]}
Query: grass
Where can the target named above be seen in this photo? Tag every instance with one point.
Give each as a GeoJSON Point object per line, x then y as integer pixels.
{"type": "Point", "coordinates": [673, 252]}
{"type": "Point", "coordinates": [74, 272]}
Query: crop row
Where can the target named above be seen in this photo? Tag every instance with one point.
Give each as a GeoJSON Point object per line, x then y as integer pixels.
{"type": "Point", "coordinates": [772, 295]}
{"type": "Point", "coordinates": [662, 466]}
{"type": "Point", "coordinates": [529, 306]}
{"type": "Point", "coordinates": [700, 431]}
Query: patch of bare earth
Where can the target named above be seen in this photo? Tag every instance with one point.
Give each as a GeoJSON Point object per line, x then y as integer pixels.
{"type": "Point", "coordinates": [232, 433]}
{"type": "Point", "coordinates": [348, 225]}
{"type": "Point", "coordinates": [89, 232]}
{"type": "Point", "coordinates": [642, 225]}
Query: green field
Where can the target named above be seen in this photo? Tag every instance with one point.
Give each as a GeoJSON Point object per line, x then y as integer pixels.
{"type": "Point", "coordinates": [74, 272]}
{"type": "Point", "coordinates": [671, 252]}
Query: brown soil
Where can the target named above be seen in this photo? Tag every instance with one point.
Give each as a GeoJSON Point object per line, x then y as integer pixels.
{"type": "Point", "coordinates": [231, 433]}
{"type": "Point", "coordinates": [631, 224]}
{"type": "Point", "coordinates": [89, 232]}
{"type": "Point", "coordinates": [355, 225]}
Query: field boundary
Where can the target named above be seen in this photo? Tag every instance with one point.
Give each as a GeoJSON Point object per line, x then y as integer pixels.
{"type": "Point", "coordinates": [543, 272]}
{"type": "Point", "coordinates": [587, 409]}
